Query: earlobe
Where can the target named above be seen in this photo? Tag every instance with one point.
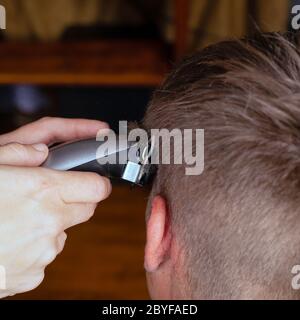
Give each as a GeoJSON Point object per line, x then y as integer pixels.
{"type": "Point", "coordinates": [158, 235]}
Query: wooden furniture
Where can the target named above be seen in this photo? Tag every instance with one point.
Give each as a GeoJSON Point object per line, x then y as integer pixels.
{"type": "Point", "coordinates": [101, 62]}
{"type": "Point", "coordinates": [107, 63]}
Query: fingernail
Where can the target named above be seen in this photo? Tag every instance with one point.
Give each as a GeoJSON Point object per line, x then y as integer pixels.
{"type": "Point", "coordinates": [41, 147]}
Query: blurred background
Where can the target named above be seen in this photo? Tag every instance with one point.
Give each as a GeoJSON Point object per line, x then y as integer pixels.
{"type": "Point", "coordinates": [103, 59]}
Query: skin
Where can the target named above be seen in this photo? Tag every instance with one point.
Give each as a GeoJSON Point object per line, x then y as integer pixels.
{"type": "Point", "coordinates": [37, 205]}
{"type": "Point", "coordinates": [163, 258]}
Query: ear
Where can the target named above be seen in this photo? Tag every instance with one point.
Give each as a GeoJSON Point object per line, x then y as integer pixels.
{"type": "Point", "coordinates": [158, 235]}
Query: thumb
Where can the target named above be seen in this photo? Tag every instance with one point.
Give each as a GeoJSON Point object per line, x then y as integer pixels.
{"type": "Point", "coordinates": [15, 154]}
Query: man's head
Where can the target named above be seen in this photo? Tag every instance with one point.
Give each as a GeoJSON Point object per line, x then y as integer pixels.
{"type": "Point", "coordinates": [234, 231]}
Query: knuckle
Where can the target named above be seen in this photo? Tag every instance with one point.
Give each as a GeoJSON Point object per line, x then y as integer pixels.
{"type": "Point", "coordinates": [39, 278]}
{"type": "Point", "coordinates": [49, 121]}
{"type": "Point", "coordinates": [48, 255]}
{"type": "Point", "coordinates": [36, 281]}
{"type": "Point", "coordinates": [63, 237]}
{"type": "Point", "coordinates": [89, 212]}
{"type": "Point", "coordinates": [30, 283]}
{"type": "Point", "coordinates": [60, 241]}
{"type": "Point", "coordinates": [46, 119]}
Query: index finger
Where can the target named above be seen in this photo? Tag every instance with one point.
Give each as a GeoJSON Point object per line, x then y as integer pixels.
{"type": "Point", "coordinates": [51, 130]}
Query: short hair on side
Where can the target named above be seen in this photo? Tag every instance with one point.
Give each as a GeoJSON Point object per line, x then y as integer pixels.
{"type": "Point", "coordinates": [238, 222]}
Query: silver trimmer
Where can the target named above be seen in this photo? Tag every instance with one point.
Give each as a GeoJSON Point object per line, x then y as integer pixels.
{"type": "Point", "coordinates": [84, 155]}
